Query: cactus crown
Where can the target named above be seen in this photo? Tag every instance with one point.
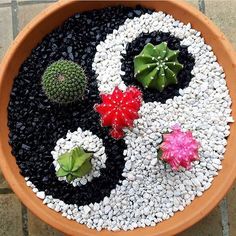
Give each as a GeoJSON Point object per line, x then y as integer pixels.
{"type": "Point", "coordinates": [119, 109]}
{"type": "Point", "coordinates": [64, 82]}
{"type": "Point", "coordinates": [179, 148]}
{"type": "Point", "coordinates": [74, 164]}
{"type": "Point", "coordinates": [157, 66]}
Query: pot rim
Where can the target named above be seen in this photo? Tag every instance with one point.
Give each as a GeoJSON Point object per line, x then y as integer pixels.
{"type": "Point", "coordinates": [72, 228]}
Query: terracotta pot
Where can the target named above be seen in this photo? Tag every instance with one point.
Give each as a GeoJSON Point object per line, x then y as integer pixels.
{"type": "Point", "coordinates": [21, 48]}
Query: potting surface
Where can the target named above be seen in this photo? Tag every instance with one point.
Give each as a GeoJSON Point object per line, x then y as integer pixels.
{"type": "Point", "coordinates": [16, 220]}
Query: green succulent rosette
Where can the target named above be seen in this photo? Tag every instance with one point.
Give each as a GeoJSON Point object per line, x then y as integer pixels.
{"type": "Point", "coordinates": [74, 164]}
{"type": "Point", "coordinates": [156, 67]}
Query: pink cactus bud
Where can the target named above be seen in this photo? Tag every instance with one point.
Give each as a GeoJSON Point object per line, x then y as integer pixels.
{"type": "Point", "coordinates": [179, 148]}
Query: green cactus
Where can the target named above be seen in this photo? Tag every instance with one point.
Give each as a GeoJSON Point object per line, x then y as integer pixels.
{"type": "Point", "coordinates": [74, 164]}
{"type": "Point", "coordinates": [157, 66]}
{"type": "Point", "coordinates": [64, 82]}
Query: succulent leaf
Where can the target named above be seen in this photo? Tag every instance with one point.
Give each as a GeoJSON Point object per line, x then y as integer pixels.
{"type": "Point", "coordinates": [157, 67]}
{"type": "Point", "coordinates": [85, 168]}
{"type": "Point", "coordinates": [64, 82]}
{"type": "Point", "coordinates": [65, 161]}
{"type": "Point", "coordinates": [80, 161]}
{"type": "Point", "coordinates": [61, 172]}
{"type": "Point", "coordinates": [74, 164]}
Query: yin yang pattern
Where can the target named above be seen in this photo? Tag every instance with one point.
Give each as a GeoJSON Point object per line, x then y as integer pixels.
{"type": "Point", "coordinates": [144, 191]}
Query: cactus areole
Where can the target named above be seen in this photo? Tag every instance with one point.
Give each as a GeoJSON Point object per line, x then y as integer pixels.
{"type": "Point", "coordinates": [156, 67]}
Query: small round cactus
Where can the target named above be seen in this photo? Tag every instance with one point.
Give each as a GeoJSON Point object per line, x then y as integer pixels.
{"type": "Point", "coordinates": [74, 164]}
{"type": "Point", "coordinates": [179, 148]}
{"type": "Point", "coordinates": [64, 82]}
{"type": "Point", "coordinates": [157, 66]}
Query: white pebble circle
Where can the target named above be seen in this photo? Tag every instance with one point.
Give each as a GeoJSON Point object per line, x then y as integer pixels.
{"type": "Point", "coordinates": [88, 142]}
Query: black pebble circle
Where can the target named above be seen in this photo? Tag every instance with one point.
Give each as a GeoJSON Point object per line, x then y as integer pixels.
{"type": "Point", "coordinates": [136, 46]}
{"type": "Point", "coordinates": [36, 124]}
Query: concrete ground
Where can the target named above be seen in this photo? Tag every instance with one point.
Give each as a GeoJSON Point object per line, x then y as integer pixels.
{"type": "Point", "coordinates": [15, 219]}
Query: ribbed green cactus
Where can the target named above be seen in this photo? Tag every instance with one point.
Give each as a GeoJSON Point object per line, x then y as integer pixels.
{"type": "Point", "coordinates": [157, 66]}
{"type": "Point", "coordinates": [74, 164]}
{"type": "Point", "coordinates": [64, 82]}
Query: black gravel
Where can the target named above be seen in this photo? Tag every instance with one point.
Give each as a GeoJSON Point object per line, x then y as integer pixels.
{"type": "Point", "coordinates": [137, 45]}
{"type": "Point", "coordinates": [36, 124]}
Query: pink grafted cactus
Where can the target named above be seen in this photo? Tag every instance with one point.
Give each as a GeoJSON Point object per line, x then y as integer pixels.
{"type": "Point", "coordinates": [179, 148]}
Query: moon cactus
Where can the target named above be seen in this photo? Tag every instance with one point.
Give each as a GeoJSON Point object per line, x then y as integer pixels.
{"type": "Point", "coordinates": [179, 148]}
{"type": "Point", "coordinates": [119, 109]}
{"type": "Point", "coordinates": [156, 67]}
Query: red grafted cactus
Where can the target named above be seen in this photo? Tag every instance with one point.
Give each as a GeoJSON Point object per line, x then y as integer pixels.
{"type": "Point", "coordinates": [119, 109]}
{"type": "Point", "coordinates": [179, 148]}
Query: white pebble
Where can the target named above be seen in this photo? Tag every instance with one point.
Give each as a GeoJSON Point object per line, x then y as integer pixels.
{"type": "Point", "coordinates": [40, 195]}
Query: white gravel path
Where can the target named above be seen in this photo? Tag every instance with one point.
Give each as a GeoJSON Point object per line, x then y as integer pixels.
{"type": "Point", "coordinates": [151, 193]}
